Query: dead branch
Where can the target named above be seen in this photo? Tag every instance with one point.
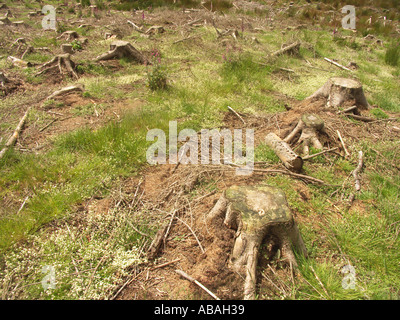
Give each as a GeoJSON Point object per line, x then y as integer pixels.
{"type": "Point", "coordinates": [342, 142]}
{"type": "Point", "coordinates": [186, 276]}
{"type": "Point", "coordinates": [319, 153]}
{"type": "Point", "coordinates": [15, 135]}
{"type": "Point", "coordinates": [338, 65]}
{"type": "Point", "coordinates": [237, 114]}
{"type": "Point", "coordinates": [162, 265]}
{"type": "Point", "coordinates": [356, 172]}
{"type": "Point", "coordinates": [138, 29]}
{"type": "Point", "coordinates": [77, 87]}
{"type": "Point", "coordinates": [290, 49]}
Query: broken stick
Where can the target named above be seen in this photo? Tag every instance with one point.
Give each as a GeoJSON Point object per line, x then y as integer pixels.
{"type": "Point", "coordinates": [342, 142]}
{"type": "Point", "coordinates": [186, 276]}
{"type": "Point", "coordinates": [237, 114]}
{"type": "Point", "coordinates": [337, 64]}
{"type": "Point", "coordinates": [15, 135]}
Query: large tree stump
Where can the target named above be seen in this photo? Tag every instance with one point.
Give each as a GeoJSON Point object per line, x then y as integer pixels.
{"type": "Point", "coordinates": [60, 63]}
{"type": "Point", "coordinates": [289, 158]}
{"type": "Point", "coordinates": [340, 92]}
{"type": "Point", "coordinates": [257, 212]}
{"type": "Point", "coordinates": [120, 49]}
{"type": "Point", "coordinates": [309, 125]}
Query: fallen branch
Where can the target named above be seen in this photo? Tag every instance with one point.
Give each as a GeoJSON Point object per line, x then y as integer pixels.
{"type": "Point", "coordinates": [338, 65]}
{"type": "Point", "coordinates": [77, 87]}
{"type": "Point", "coordinates": [347, 110]}
{"type": "Point", "coordinates": [357, 170]}
{"type": "Point", "coordinates": [15, 135]}
{"type": "Point", "coordinates": [237, 114]}
{"type": "Point", "coordinates": [186, 276]}
{"type": "Point", "coordinates": [342, 142]}
{"type": "Point", "coordinates": [318, 153]}
{"type": "Point", "coordinates": [162, 265]}
{"type": "Point", "coordinates": [135, 26]}
{"type": "Point", "coordinates": [294, 47]}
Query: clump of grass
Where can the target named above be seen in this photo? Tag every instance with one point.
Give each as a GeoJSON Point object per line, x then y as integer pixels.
{"type": "Point", "coordinates": [392, 55]}
{"type": "Point", "coordinates": [379, 113]}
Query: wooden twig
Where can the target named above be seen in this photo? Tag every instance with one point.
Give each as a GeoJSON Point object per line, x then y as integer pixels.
{"type": "Point", "coordinates": [162, 265]}
{"type": "Point", "coordinates": [186, 276]}
{"type": "Point", "coordinates": [237, 114]}
{"type": "Point", "coordinates": [48, 125]}
{"type": "Point", "coordinates": [347, 110]}
{"type": "Point", "coordinates": [343, 145]}
{"type": "Point", "coordinates": [317, 154]}
{"type": "Point", "coordinates": [357, 170]}
{"type": "Point", "coordinates": [291, 47]}
{"type": "Point", "coordinates": [15, 135]}
{"type": "Point", "coordinates": [338, 65]}
{"type": "Point", "coordinates": [23, 204]}
{"type": "Point", "coordinates": [77, 87]}
{"type": "Point", "coordinates": [191, 230]}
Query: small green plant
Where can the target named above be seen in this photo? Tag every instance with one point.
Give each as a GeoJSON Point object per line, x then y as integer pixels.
{"type": "Point", "coordinates": [76, 45]}
{"type": "Point", "coordinates": [156, 76]}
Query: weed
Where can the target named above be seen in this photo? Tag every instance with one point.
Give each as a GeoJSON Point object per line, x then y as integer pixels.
{"type": "Point", "coordinates": [156, 76]}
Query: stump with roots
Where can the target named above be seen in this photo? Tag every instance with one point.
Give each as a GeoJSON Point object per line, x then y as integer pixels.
{"type": "Point", "coordinates": [61, 62]}
{"type": "Point", "coordinates": [257, 212]}
{"type": "Point", "coordinates": [68, 35]}
{"type": "Point", "coordinates": [122, 49]}
{"type": "Point", "coordinates": [340, 92]}
{"type": "Point", "coordinates": [309, 125]}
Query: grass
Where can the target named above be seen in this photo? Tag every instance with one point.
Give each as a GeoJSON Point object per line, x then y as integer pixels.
{"type": "Point", "coordinates": [203, 79]}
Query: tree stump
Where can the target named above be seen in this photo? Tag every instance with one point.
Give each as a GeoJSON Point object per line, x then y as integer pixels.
{"type": "Point", "coordinates": [289, 158]}
{"type": "Point", "coordinates": [120, 49]}
{"type": "Point", "coordinates": [67, 48]}
{"type": "Point", "coordinates": [309, 125]}
{"type": "Point", "coordinates": [340, 92]}
{"type": "Point", "coordinates": [61, 62]}
{"type": "Point", "coordinates": [257, 212]}
{"type": "Point", "coordinates": [68, 35]}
